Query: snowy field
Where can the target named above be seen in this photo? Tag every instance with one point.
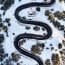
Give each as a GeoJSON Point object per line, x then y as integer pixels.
{"type": "Point", "coordinates": [17, 28]}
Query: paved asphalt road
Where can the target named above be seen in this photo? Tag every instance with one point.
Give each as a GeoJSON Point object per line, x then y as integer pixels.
{"type": "Point", "coordinates": [32, 36]}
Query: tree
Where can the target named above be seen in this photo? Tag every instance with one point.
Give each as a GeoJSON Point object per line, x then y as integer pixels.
{"type": "Point", "coordinates": [55, 59]}
{"type": "Point", "coordinates": [1, 38]}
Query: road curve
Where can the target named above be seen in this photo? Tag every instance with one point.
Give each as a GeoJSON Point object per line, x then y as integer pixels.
{"type": "Point", "coordinates": [32, 36]}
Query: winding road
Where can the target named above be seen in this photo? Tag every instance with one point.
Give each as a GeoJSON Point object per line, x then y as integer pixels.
{"type": "Point", "coordinates": [32, 36]}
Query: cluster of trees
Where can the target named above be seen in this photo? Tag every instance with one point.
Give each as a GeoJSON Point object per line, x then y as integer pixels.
{"type": "Point", "coordinates": [7, 4]}
{"type": "Point", "coordinates": [55, 59]}
{"type": "Point", "coordinates": [1, 47]}
{"type": "Point", "coordinates": [36, 49]}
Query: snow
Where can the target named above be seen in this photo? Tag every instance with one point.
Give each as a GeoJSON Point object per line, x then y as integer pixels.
{"type": "Point", "coordinates": [18, 28]}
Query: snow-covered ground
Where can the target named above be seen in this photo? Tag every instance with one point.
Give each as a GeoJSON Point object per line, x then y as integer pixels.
{"type": "Point", "coordinates": [18, 28]}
